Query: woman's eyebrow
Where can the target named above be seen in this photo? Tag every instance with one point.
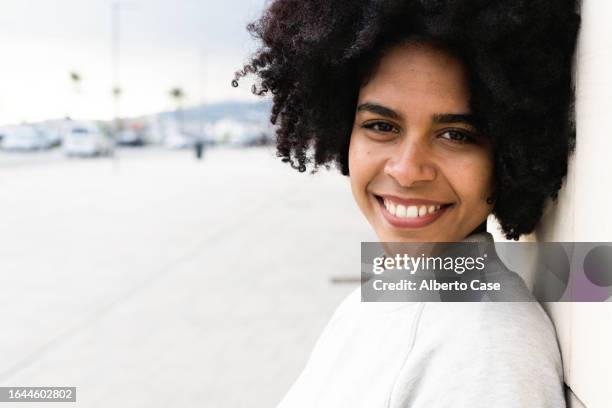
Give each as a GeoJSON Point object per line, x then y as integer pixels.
{"type": "Point", "coordinates": [438, 118]}
{"type": "Point", "coordinates": [445, 118]}
{"type": "Point", "coordinates": [379, 109]}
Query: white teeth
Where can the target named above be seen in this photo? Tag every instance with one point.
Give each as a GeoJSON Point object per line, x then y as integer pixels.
{"type": "Point", "coordinates": [411, 211]}
{"type": "Point", "coordinates": [401, 211]}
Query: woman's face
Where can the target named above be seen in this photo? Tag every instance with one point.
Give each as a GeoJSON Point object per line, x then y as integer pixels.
{"type": "Point", "coordinates": [418, 170]}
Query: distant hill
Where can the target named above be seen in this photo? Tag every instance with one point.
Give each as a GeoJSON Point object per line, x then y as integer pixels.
{"type": "Point", "coordinates": [243, 111]}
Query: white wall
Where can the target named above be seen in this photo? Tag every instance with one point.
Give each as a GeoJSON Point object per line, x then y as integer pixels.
{"type": "Point", "coordinates": [582, 212]}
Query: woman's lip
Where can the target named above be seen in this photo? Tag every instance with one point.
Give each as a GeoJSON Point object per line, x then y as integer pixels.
{"type": "Point", "coordinates": [410, 201]}
{"type": "Point", "coordinates": [417, 222]}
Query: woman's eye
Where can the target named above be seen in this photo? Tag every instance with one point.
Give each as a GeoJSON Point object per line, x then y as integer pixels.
{"type": "Point", "coordinates": [458, 136]}
{"type": "Point", "coordinates": [382, 127]}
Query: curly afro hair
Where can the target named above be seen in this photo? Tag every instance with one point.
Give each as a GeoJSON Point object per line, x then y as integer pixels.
{"type": "Point", "coordinates": [316, 54]}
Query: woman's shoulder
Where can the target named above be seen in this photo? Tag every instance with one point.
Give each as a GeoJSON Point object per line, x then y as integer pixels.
{"type": "Point", "coordinates": [483, 354]}
{"type": "Point", "coordinates": [503, 317]}
{"type": "Point", "coordinates": [515, 331]}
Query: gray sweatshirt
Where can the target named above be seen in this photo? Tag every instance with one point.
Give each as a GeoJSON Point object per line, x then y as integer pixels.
{"type": "Point", "coordinates": [429, 355]}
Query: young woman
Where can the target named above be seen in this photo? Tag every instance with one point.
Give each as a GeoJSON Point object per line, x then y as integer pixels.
{"type": "Point", "coordinates": [441, 113]}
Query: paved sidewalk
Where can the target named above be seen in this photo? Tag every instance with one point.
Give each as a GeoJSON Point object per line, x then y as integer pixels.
{"type": "Point", "coordinates": [155, 280]}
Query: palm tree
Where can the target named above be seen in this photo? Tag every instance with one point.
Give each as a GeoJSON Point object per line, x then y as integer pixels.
{"type": "Point", "coordinates": [117, 92]}
{"type": "Point", "coordinates": [76, 79]}
{"type": "Point", "coordinates": [178, 95]}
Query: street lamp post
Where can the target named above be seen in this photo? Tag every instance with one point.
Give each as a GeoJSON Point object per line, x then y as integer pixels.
{"type": "Point", "coordinates": [116, 8]}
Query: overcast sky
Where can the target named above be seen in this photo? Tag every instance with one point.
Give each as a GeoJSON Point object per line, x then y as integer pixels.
{"type": "Point", "coordinates": [192, 44]}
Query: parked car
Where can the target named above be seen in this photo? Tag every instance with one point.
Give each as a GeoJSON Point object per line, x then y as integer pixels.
{"type": "Point", "coordinates": [130, 137]}
{"type": "Point", "coordinates": [176, 139]}
{"type": "Point", "coordinates": [53, 136]}
{"type": "Point", "coordinates": [86, 139]}
{"type": "Point", "coordinates": [240, 133]}
{"type": "Point", "coordinates": [23, 138]}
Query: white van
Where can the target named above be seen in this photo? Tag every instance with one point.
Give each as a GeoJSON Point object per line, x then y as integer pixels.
{"type": "Point", "coordinates": [86, 139]}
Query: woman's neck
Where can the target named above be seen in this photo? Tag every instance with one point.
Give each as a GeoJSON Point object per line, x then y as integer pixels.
{"type": "Point", "coordinates": [481, 228]}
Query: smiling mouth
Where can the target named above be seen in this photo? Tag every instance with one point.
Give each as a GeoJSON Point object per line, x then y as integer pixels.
{"type": "Point", "coordinates": [411, 214]}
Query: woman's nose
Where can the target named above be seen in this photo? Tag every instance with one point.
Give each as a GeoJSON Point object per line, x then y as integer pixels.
{"type": "Point", "coordinates": [411, 162]}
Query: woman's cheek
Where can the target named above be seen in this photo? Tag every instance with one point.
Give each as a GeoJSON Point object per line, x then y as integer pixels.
{"type": "Point", "coordinates": [479, 185]}
{"type": "Point", "coordinates": [479, 171]}
{"type": "Point", "coordinates": [356, 167]}
{"type": "Point", "coordinates": [359, 157]}
{"type": "Point", "coordinates": [484, 177]}
{"type": "Point", "coordinates": [362, 169]}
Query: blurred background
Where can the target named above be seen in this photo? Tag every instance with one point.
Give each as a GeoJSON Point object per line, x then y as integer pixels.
{"type": "Point", "coordinates": [151, 73]}
{"type": "Point", "coordinates": [154, 251]}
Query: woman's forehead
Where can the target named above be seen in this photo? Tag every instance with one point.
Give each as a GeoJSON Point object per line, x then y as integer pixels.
{"type": "Point", "coordinates": [418, 73]}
